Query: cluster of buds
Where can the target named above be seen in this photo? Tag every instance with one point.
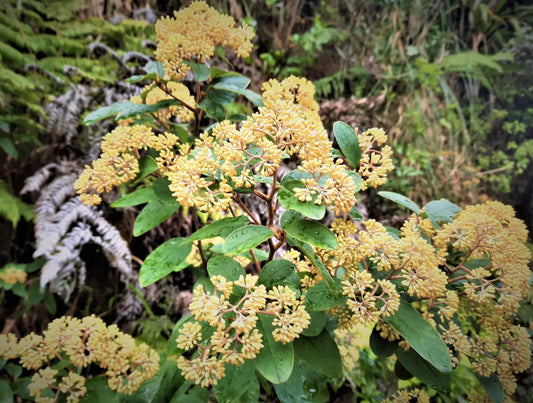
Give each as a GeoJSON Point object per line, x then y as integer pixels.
{"type": "Point", "coordinates": [84, 341]}
{"type": "Point", "coordinates": [223, 328]}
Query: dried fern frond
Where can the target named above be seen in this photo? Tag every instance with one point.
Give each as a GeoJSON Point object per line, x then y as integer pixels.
{"type": "Point", "coordinates": [64, 226]}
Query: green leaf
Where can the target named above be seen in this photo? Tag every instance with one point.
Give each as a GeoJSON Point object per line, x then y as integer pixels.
{"type": "Point", "coordinates": [13, 370]}
{"type": "Point", "coordinates": [153, 214]}
{"type": "Point", "coordinates": [139, 196]}
{"type": "Point", "coordinates": [138, 78]}
{"type": "Point", "coordinates": [6, 394]}
{"type": "Point", "coordinates": [127, 109]}
{"type": "Point", "coordinates": [12, 208]}
{"type": "Point", "coordinates": [279, 272]}
{"type": "Point", "coordinates": [422, 369]}
{"type": "Point", "coordinates": [104, 112]}
{"type": "Point", "coordinates": [307, 251]}
{"type": "Point", "coordinates": [239, 385]}
{"type": "Point", "coordinates": [162, 191]}
{"type": "Point", "coordinates": [288, 200]}
{"type": "Point", "coordinates": [237, 84]}
{"type": "Point", "coordinates": [155, 67]}
{"type": "Point", "coordinates": [401, 200]}
{"type": "Point", "coordinates": [263, 179]}
{"type": "Point", "coordinates": [348, 143]}
{"type": "Point", "coordinates": [355, 214]}
{"type": "Point", "coordinates": [201, 70]}
{"type": "Point", "coordinates": [493, 387]}
{"type": "Point", "coordinates": [217, 97]}
{"type": "Point", "coordinates": [441, 210]}
{"type": "Point", "coordinates": [8, 146]}
{"type": "Point", "coordinates": [251, 96]}
{"type": "Point", "coordinates": [245, 238]}
{"type": "Point", "coordinates": [50, 303]}
{"type": "Point", "coordinates": [320, 297]}
{"type": "Point", "coordinates": [381, 347]}
{"type": "Point", "coordinates": [421, 336]}
{"type": "Point", "coordinates": [312, 232]}
{"type": "Point", "coordinates": [166, 258]}
{"type": "Point", "coordinates": [318, 321]}
{"type": "Point", "coordinates": [221, 228]}
{"type": "Point", "coordinates": [295, 175]}
{"type": "Point", "coordinates": [305, 385]}
{"type": "Point", "coordinates": [231, 82]}
{"type": "Point", "coordinates": [147, 165]}
{"type": "Point", "coordinates": [131, 109]}
{"type": "Point", "coordinates": [401, 372]}
{"type": "Point", "coordinates": [289, 216]}
{"type": "Point", "coordinates": [196, 394]}
{"type": "Point", "coordinates": [225, 266]}
{"type": "Point", "coordinates": [321, 353]}
{"type": "Point", "coordinates": [275, 360]}
{"type": "Point", "coordinates": [98, 391]}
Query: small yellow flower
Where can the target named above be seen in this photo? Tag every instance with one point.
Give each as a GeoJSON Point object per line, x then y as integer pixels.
{"type": "Point", "coordinates": [12, 275]}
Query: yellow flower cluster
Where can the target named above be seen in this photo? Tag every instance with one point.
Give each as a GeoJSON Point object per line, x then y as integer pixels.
{"type": "Point", "coordinates": [287, 125]}
{"type": "Point", "coordinates": [482, 253]}
{"type": "Point", "coordinates": [350, 340]}
{"type": "Point", "coordinates": [84, 341]}
{"type": "Point", "coordinates": [117, 164]}
{"type": "Point", "coordinates": [235, 337]}
{"type": "Point", "coordinates": [492, 231]}
{"type": "Point", "coordinates": [408, 396]}
{"type": "Point", "coordinates": [494, 273]}
{"type": "Point", "coordinates": [194, 33]}
{"type": "Point", "coordinates": [12, 275]}
{"type": "Point", "coordinates": [169, 91]}
{"type": "Point", "coordinates": [375, 163]}
{"type": "Point", "coordinates": [410, 258]}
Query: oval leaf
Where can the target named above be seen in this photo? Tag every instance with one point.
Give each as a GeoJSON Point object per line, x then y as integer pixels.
{"type": "Point", "coordinates": [239, 384]}
{"type": "Point", "coordinates": [168, 257]}
{"type": "Point", "coordinates": [312, 232]}
{"type": "Point", "coordinates": [401, 200]}
{"type": "Point", "coordinates": [441, 210]}
{"type": "Point", "coordinates": [275, 360]}
{"type": "Point", "coordinates": [153, 214]}
{"type": "Point", "coordinates": [139, 196]}
{"type": "Point", "coordinates": [421, 336]}
{"type": "Point", "coordinates": [305, 385]}
{"type": "Point", "coordinates": [288, 200]}
{"type": "Point", "coordinates": [221, 228]}
{"type": "Point", "coordinates": [493, 387]}
{"type": "Point", "coordinates": [348, 143]}
{"type": "Point", "coordinates": [279, 272]}
{"type": "Point", "coordinates": [321, 353]}
{"type": "Point", "coordinates": [225, 266]}
{"type": "Point", "coordinates": [422, 369]}
{"type": "Point", "coordinates": [201, 70]}
{"type": "Point", "coordinates": [318, 321]}
{"type": "Point", "coordinates": [246, 238]}
{"type": "Point", "coordinates": [104, 112]}
{"type": "Point", "coordinates": [381, 347]}
{"type": "Point", "coordinates": [320, 297]}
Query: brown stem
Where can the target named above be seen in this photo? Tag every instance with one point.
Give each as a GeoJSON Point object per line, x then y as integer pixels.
{"type": "Point", "coordinates": [238, 200]}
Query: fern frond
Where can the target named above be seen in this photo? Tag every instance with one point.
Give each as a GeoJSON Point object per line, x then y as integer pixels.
{"type": "Point", "coordinates": [11, 54]}
{"type": "Point", "coordinates": [14, 23]}
{"type": "Point", "coordinates": [9, 35]}
{"type": "Point", "coordinates": [12, 80]}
